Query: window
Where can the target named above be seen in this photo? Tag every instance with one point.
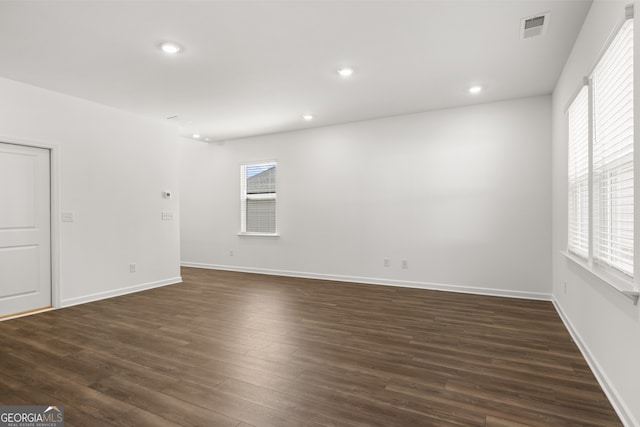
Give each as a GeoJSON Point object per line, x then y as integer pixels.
{"type": "Point", "coordinates": [578, 116]}
{"type": "Point", "coordinates": [612, 88]}
{"type": "Point", "coordinates": [258, 198]}
{"type": "Point", "coordinates": [601, 167]}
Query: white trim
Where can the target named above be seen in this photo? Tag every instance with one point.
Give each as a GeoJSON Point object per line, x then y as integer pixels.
{"type": "Point", "coordinates": [265, 196]}
{"type": "Point", "coordinates": [608, 276]}
{"type": "Point", "coordinates": [259, 162]}
{"type": "Point", "coordinates": [56, 241]}
{"type": "Point", "coordinates": [375, 281]}
{"type": "Point", "coordinates": [585, 82]}
{"type": "Point", "coordinates": [254, 234]}
{"type": "Point", "coordinates": [636, 148]}
{"type": "Point", "coordinates": [119, 292]}
{"type": "Point", "coordinates": [621, 408]}
{"type": "Point", "coordinates": [590, 172]}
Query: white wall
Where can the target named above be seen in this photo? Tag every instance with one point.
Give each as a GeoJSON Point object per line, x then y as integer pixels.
{"type": "Point", "coordinates": [462, 194]}
{"type": "Point", "coordinates": [605, 323]}
{"type": "Point", "coordinates": [113, 167]}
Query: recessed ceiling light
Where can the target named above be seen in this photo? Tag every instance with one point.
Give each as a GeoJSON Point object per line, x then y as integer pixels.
{"type": "Point", "coordinates": [475, 89]}
{"type": "Point", "coordinates": [307, 117]}
{"type": "Point", "coordinates": [345, 72]}
{"type": "Point", "coordinates": [171, 48]}
{"type": "Point", "coordinates": [196, 135]}
{"type": "Point", "coordinates": [206, 139]}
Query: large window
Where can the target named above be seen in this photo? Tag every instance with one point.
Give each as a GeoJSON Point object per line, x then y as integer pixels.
{"type": "Point", "coordinates": [578, 116]}
{"type": "Point", "coordinates": [601, 167]}
{"type": "Point", "coordinates": [612, 88]}
{"type": "Point", "coordinates": [258, 198]}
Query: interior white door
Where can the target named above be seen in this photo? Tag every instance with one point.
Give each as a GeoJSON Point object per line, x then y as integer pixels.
{"type": "Point", "coordinates": [25, 229]}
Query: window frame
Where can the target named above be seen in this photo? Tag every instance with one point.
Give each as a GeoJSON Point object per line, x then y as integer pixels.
{"type": "Point", "coordinates": [611, 169]}
{"type": "Point", "coordinates": [574, 250]}
{"type": "Point", "coordinates": [244, 197]}
{"type": "Point", "coordinates": [627, 284]}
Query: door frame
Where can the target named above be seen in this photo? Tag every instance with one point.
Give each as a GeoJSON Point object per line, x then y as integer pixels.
{"type": "Point", "coordinates": [54, 183]}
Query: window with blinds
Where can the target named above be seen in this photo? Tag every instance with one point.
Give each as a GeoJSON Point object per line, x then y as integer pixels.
{"type": "Point", "coordinates": [612, 151]}
{"type": "Point", "coordinates": [258, 198]}
{"type": "Point", "coordinates": [578, 117]}
{"type": "Point", "coordinates": [601, 167]}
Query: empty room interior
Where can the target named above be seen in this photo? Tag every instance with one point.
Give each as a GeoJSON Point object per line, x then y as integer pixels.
{"type": "Point", "coordinates": [319, 213]}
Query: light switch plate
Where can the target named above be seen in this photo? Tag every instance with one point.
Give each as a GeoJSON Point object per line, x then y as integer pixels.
{"type": "Point", "coordinates": [67, 216]}
{"type": "Point", "coordinates": [167, 216]}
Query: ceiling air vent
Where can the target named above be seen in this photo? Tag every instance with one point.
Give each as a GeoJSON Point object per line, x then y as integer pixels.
{"type": "Point", "coordinates": [534, 26]}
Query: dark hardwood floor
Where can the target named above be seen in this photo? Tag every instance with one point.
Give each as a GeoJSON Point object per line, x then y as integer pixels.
{"type": "Point", "coordinates": [233, 349]}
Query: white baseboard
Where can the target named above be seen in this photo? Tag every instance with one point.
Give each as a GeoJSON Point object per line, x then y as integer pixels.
{"type": "Point", "coordinates": [375, 281]}
{"type": "Point", "coordinates": [118, 292]}
{"type": "Point", "coordinates": [612, 394]}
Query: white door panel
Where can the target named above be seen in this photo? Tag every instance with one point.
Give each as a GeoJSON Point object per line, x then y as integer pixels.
{"type": "Point", "coordinates": [25, 229]}
{"type": "Point", "coordinates": [19, 270]}
{"type": "Point", "coordinates": [17, 193]}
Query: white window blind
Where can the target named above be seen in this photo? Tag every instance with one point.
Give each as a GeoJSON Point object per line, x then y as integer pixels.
{"type": "Point", "coordinates": [258, 198]}
{"type": "Point", "coordinates": [578, 118]}
{"type": "Point", "coordinates": [613, 186]}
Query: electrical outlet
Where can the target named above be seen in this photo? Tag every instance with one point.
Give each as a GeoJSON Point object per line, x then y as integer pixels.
{"type": "Point", "coordinates": [405, 264]}
{"type": "Point", "coordinates": [132, 268]}
{"type": "Point", "coordinates": [565, 288]}
{"type": "Point", "coordinates": [231, 253]}
{"type": "Point", "coordinates": [387, 262]}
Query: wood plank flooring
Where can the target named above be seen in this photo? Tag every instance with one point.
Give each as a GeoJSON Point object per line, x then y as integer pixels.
{"type": "Point", "coordinates": [234, 349]}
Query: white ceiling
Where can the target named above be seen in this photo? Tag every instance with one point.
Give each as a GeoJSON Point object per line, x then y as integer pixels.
{"type": "Point", "coordinates": [255, 67]}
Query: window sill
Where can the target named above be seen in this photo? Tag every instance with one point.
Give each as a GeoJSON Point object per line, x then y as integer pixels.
{"type": "Point", "coordinates": [245, 234]}
{"type": "Point", "coordinates": [625, 287]}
